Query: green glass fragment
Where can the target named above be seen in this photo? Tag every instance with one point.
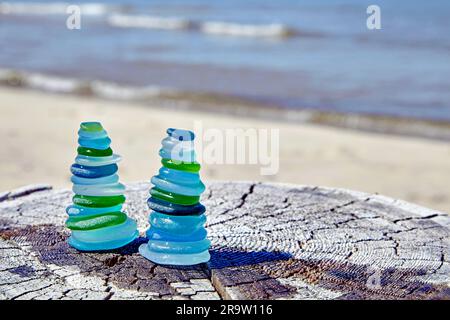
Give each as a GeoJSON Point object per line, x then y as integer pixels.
{"type": "Point", "coordinates": [91, 126]}
{"type": "Point", "coordinates": [98, 201]}
{"type": "Point", "coordinates": [179, 165]}
{"type": "Point", "coordinates": [174, 197]}
{"type": "Point", "coordinates": [94, 152]}
{"type": "Point", "coordinates": [96, 221]}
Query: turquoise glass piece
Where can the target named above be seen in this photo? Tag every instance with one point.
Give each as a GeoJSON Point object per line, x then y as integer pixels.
{"type": "Point", "coordinates": [179, 176]}
{"type": "Point", "coordinates": [154, 233]}
{"type": "Point", "coordinates": [184, 189]}
{"type": "Point", "coordinates": [174, 259]}
{"type": "Point", "coordinates": [177, 247]}
{"type": "Point", "coordinates": [96, 219]}
{"type": "Point", "coordinates": [100, 143]}
{"type": "Point", "coordinates": [114, 178]}
{"type": "Point", "coordinates": [177, 235]}
{"type": "Point", "coordinates": [178, 155]}
{"type": "Point", "coordinates": [105, 238]}
{"type": "Point", "coordinates": [92, 135]}
{"type": "Point", "coordinates": [97, 161]}
{"type": "Point", "coordinates": [113, 189]}
{"type": "Point", "coordinates": [176, 224]}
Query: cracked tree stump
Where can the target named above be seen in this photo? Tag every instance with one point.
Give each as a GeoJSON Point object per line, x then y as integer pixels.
{"type": "Point", "coordinates": [269, 242]}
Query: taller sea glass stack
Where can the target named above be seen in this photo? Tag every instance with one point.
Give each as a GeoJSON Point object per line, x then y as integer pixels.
{"type": "Point", "coordinates": [96, 218]}
{"type": "Point", "coordinates": [177, 235]}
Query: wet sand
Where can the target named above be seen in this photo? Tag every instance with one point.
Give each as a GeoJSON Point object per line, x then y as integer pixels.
{"type": "Point", "coordinates": [38, 132]}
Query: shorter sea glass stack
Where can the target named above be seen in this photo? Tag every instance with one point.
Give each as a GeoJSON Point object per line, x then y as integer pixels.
{"type": "Point", "coordinates": [177, 235]}
{"type": "Point", "coordinates": [96, 218]}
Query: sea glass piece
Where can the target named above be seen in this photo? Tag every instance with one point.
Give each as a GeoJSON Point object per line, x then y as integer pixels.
{"type": "Point", "coordinates": [98, 143]}
{"type": "Point", "coordinates": [92, 135]}
{"type": "Point", "coordinates": [101, 190]}
{"type": "Point", "coordinates": [174, 259]}
{"type": "Point", "coordinates": [96, 221]}
{"type": "Point", "coordinates": [97, 161]}
{"type": "Point", "coordinates": [114, 178]}
{"type": "Point", "coordinates": [170, 208]}
{"type": "Point", "coordinates": [174, 197]}
{"type": "Point", "coordinates": [154, 233]}
{"type": "Point", "coordinates": [181, 134]}
{"type": "Point", "coordinates": [176, 247]}
{"type": "Point", "coordinates": [93, 172]}
{"type": "Point", "coordinates": [107, 234]}
{"type": "Point", "coordinates": [92, 126]}
{"type": "Point", "coordinates": [179, 176]}
{"type": "Point", "coordinates": [80, 211]}
{"type": "Point", "coordinates": [90, 152]}
{"type": "Point", "coordinates": [184, 189]}
{"type": "Point", "coordinates": [183, 166]}
{"type": "Point", "coordinates": [107, 238]}
{"type": "Point", "coordinates": [176, 224]}
{"type": "Point", "coordinates": [178, 155]}
{"type": "Point", "coordinates": [98, 202]}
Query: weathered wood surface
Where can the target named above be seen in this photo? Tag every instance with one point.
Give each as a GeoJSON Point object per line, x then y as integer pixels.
{"type": "Point", "coordinates": [269, 242]}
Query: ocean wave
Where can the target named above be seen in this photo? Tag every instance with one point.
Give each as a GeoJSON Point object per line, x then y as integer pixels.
{"type": "Point", "coordinates": [106, 89]}
{"type": "Point", "coordinates": [43, 82]}
{"type": "Point", "coordinates": [103, 89]}
{"type": "Point", "coordinates": [120, 92]}
{"type": "Point", "coordinates": [212, 27]}
{"type": "Point", "coordinates": [149, 22]}
{"type": "Point", "coordinates": [53, 84]}
{"type": "Point", "coordinates": [115, 17]}
{"type": "Point", "coordinates": [247, 30]}
{"type": "Point", "coordinates": [53, 8]}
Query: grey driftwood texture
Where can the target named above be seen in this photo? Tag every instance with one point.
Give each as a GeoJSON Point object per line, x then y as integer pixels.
{"type": "Point", "coordinates": [269, 242]}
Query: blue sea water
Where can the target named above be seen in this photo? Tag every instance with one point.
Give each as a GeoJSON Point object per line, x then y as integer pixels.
{"type": "Point", "coordinates": [315, 54]}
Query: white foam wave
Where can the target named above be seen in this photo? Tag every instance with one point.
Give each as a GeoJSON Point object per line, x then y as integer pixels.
{"type": "Point", "coordinates": [52, 84]}
{"type": "Point", "coordinates": [54, 8]}
{"type": "Point", "coordinates": [115, 91]}
{"type": "Point", "coordinates": [150, 22]}
{"type": "Point", "coordinates": [96, 9]}
{"type": "Point", "coordinates": [109, 90]}
{"type": "Point", "coordinates": [99, 88]}
{"type": "Point", "coordinates": [247, 30]}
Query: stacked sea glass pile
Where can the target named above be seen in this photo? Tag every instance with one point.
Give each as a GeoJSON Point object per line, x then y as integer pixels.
{"type": "Point", "coordinates": [177, 235]}
{"type": "Point", "coordinates": [96, 218]}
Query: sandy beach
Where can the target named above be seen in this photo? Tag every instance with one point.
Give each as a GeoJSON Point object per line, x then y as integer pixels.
{"type": "Point", "coordinates": [39, 138]}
